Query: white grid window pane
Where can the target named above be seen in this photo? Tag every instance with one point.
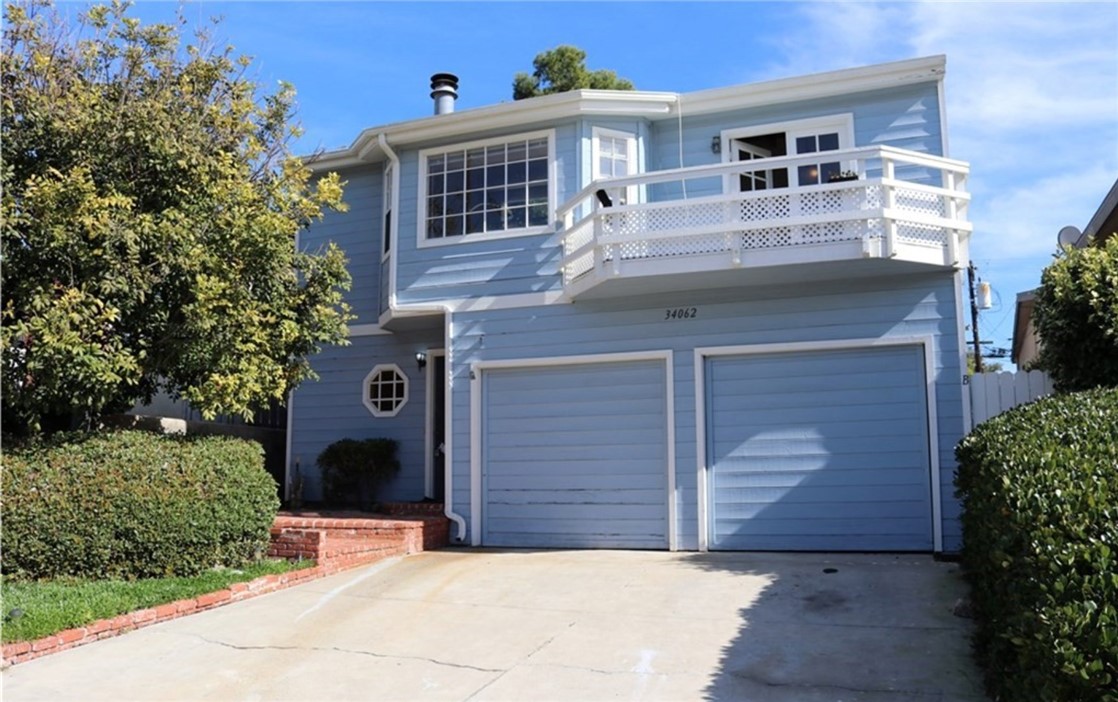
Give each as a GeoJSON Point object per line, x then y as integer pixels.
{"type": "Point", "coordinates": [386, 391]}
{"type": "Point", "coordinates": [487, 189]}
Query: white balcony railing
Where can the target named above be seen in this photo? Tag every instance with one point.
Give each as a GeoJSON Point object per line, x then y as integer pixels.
{"type": "Point", "coordinates": [904, 205]}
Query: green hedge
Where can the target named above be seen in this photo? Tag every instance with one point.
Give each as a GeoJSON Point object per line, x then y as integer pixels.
{"type": "Point", "coordinates": [1039, 486]}
{"type": "Point", "coordinates": [352, 470]}
{"type": "Point", "coordinates": [134, 504]}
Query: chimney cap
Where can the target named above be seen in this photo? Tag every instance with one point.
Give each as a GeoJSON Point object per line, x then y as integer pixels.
{"type": "Point", "coordinates": [444, 80]}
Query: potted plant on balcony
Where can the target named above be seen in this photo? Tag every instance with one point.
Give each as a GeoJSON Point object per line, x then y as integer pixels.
{"type": "Point", "coordinates": [843, 176]}
{"type": "Point", "coordinates": [353, 470]}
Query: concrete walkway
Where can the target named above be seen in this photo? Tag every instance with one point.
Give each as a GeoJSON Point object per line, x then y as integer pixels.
{"type": "Point", "coordinates": [554, 625]}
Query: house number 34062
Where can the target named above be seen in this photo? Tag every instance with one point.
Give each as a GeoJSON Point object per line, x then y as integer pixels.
{"type": "Point", "coordinates": [681, 313]}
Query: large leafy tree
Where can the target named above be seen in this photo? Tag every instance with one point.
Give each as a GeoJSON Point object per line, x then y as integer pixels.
{"type": "Point", "coordinates": [1076, 317]}
{"type": "Point", "coordinates": [150, 209]}
{"type": "Point", "coordinates": [562, 69]}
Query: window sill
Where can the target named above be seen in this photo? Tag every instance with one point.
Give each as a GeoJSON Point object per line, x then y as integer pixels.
{"type": "Point", "coordinates": [424, 243]}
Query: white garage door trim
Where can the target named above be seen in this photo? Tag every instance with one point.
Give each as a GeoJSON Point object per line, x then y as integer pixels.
{"type": "Point", "coordinates": [926, 342]}
{"type": "Point", "coordinates": [479, 367]}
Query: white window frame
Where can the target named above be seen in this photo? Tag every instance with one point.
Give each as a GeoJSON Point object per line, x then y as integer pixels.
{"type": "Point", "coordinates": [422, 242]}
{"type": "Point", "coordinates": [842, 122]}
{"type": "Point", "coordinates": [377, 369]}
{"type": "Point", "coordinates": [388, 189]}
{"type": "Point", "coordinates": [632, 193]}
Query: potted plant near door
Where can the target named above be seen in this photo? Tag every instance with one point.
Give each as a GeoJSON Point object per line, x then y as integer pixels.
{"type": "Point", "coordinates": [353, 470]}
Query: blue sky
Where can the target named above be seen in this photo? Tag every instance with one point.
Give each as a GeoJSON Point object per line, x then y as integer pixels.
{"type": "Point", "coordinates": [1032, 88]}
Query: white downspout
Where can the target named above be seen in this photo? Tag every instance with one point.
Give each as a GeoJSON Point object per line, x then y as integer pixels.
{"type": "Point", "coordinates": [448, 443]}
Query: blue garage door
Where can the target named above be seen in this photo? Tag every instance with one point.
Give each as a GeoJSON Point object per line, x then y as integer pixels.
{"type": "Point", "coordinates": [575, 456]}
{"type": "Point", "coordinates": [819, 451]}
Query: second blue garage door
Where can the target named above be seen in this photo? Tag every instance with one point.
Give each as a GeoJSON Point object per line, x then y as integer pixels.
{"type": "Point", "coordinates": [822, 451]}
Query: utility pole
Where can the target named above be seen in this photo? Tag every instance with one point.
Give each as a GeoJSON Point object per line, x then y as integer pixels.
{"type": "Point", "coordinates": [974, 319]}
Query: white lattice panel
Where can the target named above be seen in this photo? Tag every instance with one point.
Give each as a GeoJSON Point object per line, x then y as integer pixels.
{"type": "Point", "coordinates": [577, 266]}
{"type": "Point", "coordinates": [921, 234]}
{"type": "Point", "coordinates": [829, 232]}
{"type": "Point", "coordinates": [759, 208]}
{"type": "Point", "coordinates": [578, 236]}
{"type": "Point", "coordinates": [773, 237]}
{"type": "Point", "coordinates": [918, 201]}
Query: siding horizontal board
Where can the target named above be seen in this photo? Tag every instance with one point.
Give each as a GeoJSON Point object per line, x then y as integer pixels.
{"type": "Point", "coordinates": [760, 489]}
{"type": "Point", "coordinates": [560, 468]}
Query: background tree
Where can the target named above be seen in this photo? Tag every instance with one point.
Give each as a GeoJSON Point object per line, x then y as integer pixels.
{"type": "Point", "coordinates": [561, 69]}
{"type": "Point", "coordinates": [150, 207]}
{"type": "Point", "coordinates": [1076, 318]}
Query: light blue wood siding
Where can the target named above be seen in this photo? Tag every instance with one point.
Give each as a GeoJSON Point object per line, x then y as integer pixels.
{"type": "Point", "coordinates": [331, 408]}
{"type": "Point", "coordinates": [575, 456]}
{"type": "Point", "coordinates": [476, 266]}
{"type": "Point", "coordinates": [905, 117]}
{"type": "Point", "coordinates": [358, 233]}
{"type": "Point", "coordinates": [819, 451]}
{"type": "Point", "coordinates": [855, 309]}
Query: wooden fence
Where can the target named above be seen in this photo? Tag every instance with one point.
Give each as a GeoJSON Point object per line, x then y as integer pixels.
{"type": "Point", "coordinates": [994, 393]}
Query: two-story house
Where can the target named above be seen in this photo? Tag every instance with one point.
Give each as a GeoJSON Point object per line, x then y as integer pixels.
{"type": "Point", "coordinates": [727, 319]}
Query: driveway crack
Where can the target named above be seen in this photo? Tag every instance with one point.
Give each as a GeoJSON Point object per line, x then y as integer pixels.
{"type": "Point", "coordinates": [339, 649]}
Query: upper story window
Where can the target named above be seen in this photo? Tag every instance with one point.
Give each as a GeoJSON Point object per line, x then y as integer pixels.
{"type": "Point", "coordinates": [389, 173]}
{"type": "Point", "coordinates": [615, 155]}
{"type": "Point", "coordinates": [491, 188]}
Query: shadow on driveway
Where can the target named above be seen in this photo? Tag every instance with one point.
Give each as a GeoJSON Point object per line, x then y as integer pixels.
{"type": "Point", "coordinates": [845, 627]}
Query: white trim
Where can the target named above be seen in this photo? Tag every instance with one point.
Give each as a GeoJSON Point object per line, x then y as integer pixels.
{"type": "Point", "coordinates": [960, 326]}
{"type": "Point", "coordinates": [422, 242]}
{"type": "Point", "coordinates": [631, 149]}
{"type": "Point", "coordinates": [925, 342]}
{"type": "Point", "coordinates": [287, 486]}
{"type": "Point", "coordinates": [647, 104]}
{"type": "Point", "coordinates": [476, 374]}
{"type": "Point", "coordinates": [448, 457]}
{"type": "Point", "coordinates": [382, 140]}
{"type": "Point", "coordinates": [507, 302]}
{"type": "Point", "coordinates": [367, 330]}
{"type": "Point", "coordinates": [942, 96]}
{"type": "Point", "coordinates": [387, 205]}
{"type": "Point", "coordinates": [375, 411]}
{"type": "Point", "coordinates": [429, 423]}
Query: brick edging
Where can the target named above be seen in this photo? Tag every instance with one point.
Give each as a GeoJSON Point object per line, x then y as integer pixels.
{"type": "Point", "coordinates": [20, 651]}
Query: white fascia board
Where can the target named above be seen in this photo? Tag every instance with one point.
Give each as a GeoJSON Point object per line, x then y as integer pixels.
{"type": "Point", "coordinates": [636, 103]}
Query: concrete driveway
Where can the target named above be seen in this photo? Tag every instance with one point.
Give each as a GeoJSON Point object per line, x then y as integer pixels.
{"type": "Point", "coordinates": [554, 625]}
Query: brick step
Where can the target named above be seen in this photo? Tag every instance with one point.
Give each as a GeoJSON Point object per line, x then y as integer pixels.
{"type": "Point", "coordinates": [351, 537]}
{"type": "Point", "coordinates": [339, 547]}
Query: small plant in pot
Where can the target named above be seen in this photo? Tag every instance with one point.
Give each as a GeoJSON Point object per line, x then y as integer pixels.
{"type": "Point", "coordinates": [843, 176]}
{"type": "Point", "coordinates": [353, 470]}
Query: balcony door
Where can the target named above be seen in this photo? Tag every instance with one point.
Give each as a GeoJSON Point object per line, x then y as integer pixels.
{"type": "Point", "coordinates": [802, 137]}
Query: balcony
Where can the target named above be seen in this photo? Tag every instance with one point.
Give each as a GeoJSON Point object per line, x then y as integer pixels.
{"type": "Point", "coordinates": [905, 212]}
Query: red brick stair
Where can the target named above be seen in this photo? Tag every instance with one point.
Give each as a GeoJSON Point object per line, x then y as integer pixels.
{"type": "Point", "coordinates": [348, 539]}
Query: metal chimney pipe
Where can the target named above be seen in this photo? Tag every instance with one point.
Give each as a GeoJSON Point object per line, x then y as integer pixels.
{"type": "Point", "coordinates": [444, 90]}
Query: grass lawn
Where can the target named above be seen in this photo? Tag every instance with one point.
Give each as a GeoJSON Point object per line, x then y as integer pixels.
{"type": "Point", "coordinates": [50, 606]}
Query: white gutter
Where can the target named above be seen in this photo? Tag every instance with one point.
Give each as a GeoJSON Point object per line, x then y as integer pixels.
{"type": "Point", "coordinates": [448, 334]}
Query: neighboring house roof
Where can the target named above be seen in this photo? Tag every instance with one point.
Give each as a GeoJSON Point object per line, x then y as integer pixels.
{"type": "Point", "coordinates": [1103, 225]}
{"type": "Point", "coordinates": [368, 146]}
{"type": "Point", "coordinates": [1105, 222]}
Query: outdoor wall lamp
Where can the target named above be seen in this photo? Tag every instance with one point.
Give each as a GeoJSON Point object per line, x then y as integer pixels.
{"type": "Point", "coordinates": [421, 360]}
{"type": "Point", "coordinates": [716, 144]}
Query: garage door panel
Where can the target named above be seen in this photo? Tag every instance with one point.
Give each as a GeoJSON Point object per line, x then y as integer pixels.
{"type": "Point", "coordinates": [575, 456]}
{"type": "Point", "coordinates": [622, 471]}
{"type": "Point", "coordinates": [616, 441]}
{"type": "Point", "coordinates": [836, 463]}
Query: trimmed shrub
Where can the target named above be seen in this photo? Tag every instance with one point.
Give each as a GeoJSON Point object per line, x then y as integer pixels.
{"type": "Point", "coordinates": [133, 504]}
{"type": "Point", "coordinates": [1039, 486]}
{"type": "Point", "coordinates": [352, 470]}
{"type": "Point", "coordinates": [1076, 318]}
